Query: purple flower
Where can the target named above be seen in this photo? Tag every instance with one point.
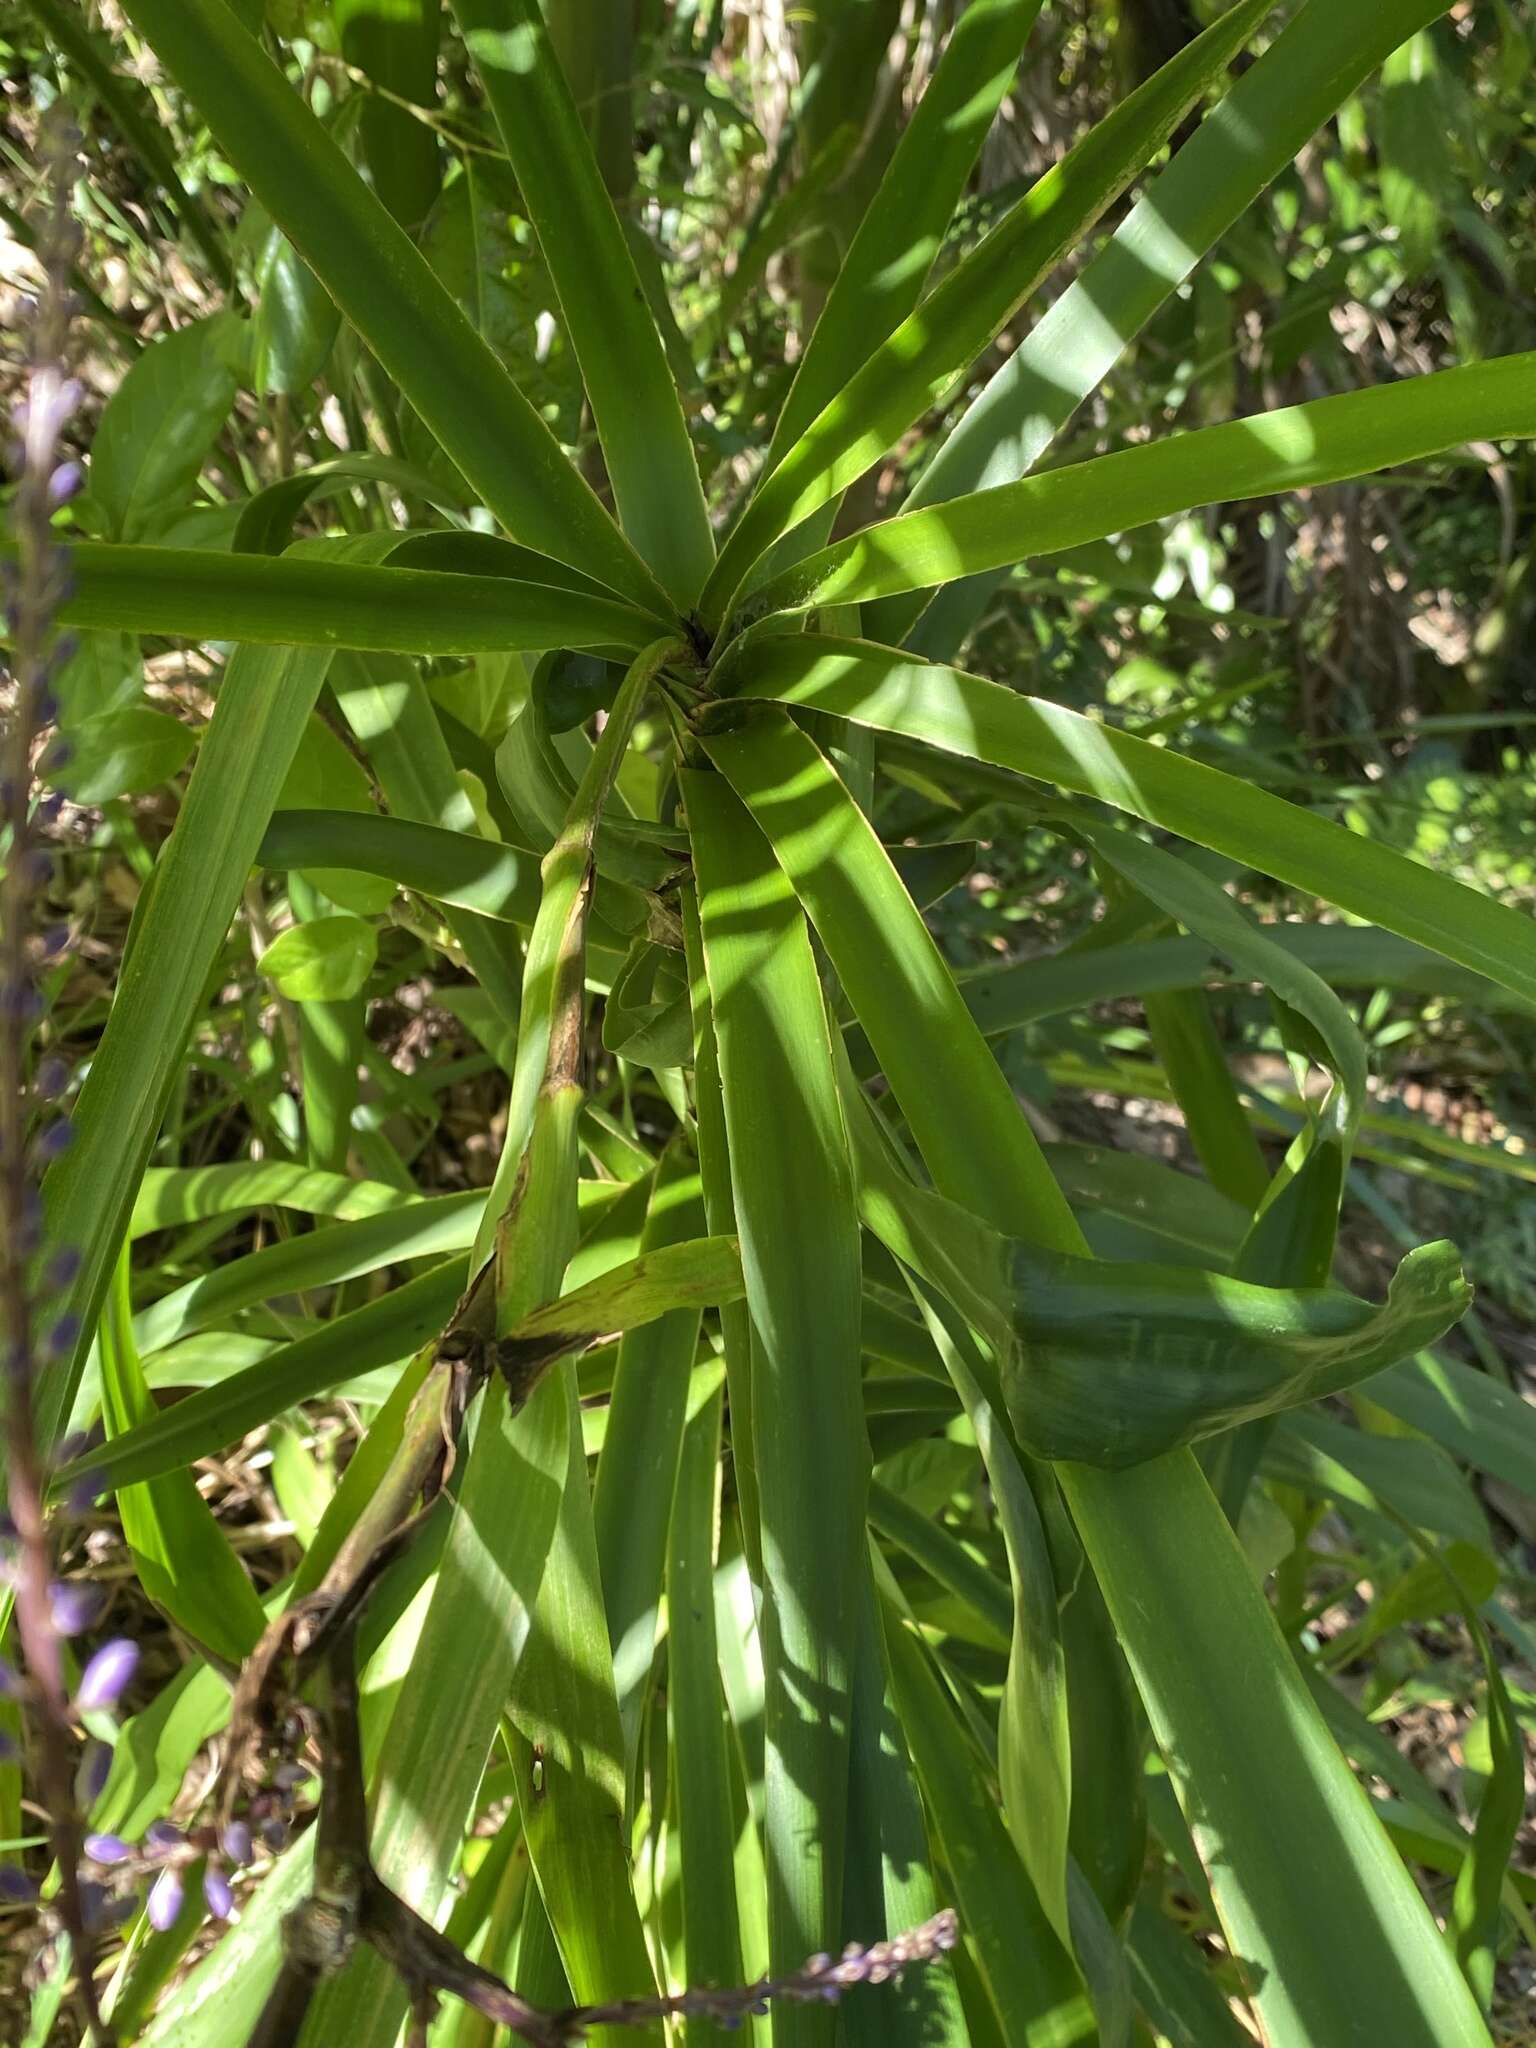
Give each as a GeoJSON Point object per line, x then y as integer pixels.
{"type": "Point", "coordinates": [55, 1141]}
{"type": "Point", "coordinates": [94, 1901]}
{"type": "Point", "coordinates": [165, 1896]}
{"type": "Point", "coordinates": [95, 1769]}
{"type": "Point", "coordinates": [236, 1842]}
{"type": "Point", "coordinates": [15, 1885]}
{"type": "Point", "coordinates": [67, 481]}
{"type": "Point", "coordinates": [51, 1078]}
{"type": "Point", "coordinates": [162, 1836]}
{"type": "Point", "coordinates": [64, 1336]}
{"type": "Point", "coordinates": [107, 1849]}
{"type": "Point", "coordinates": [63, 1266]}
{"type": "Point", "coordinates": [84, 1494]}
{"type": "Point", "coordinates": [75, 1606]}
{"type": "Point", "coordinates": [220, 1899]}
{"type": "Point", "coordinates": [103, 1680]}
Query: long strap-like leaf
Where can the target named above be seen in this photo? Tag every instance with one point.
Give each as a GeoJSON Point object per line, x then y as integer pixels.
{"type": "Point", "coordinates": [894, 248]}
{"type": "Point", "coordinates": [386, 289]}
{"type": "Point", "coordinates": [945, 333]}
{"type": "Point", "coordinates": [1269, 114]}
{"type": "Point", "coordinates": [965, 715]}
{"type": "Point", "coordinates": [799, 1233]}
{"type": "Point", "coordinates": [640, 423]}
{"type": "Point", "coordinates": [264, 700]}
{"type": "Point", "coordinates": [1292, 449]}
{"type": "Point", "coordinates": [262, 600]}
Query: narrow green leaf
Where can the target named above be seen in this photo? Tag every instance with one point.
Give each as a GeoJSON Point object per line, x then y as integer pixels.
{"type": "Point", "coordinates": [1191, 1054]}
{"type": "Point", "coordinates": [701, 1764]}
{"type": "Point", "coordinates": [172, 1195]}
{"type": "Point", "coordinates": [891, 968]}
{"type": "Point", "coordinates": [421, 1229]}
{"type": "Point", "coordinates": [566, 1715]}
{"type": "Point", "coordinates": [647, 1417]}
{"type": "Point", "coordinates": [634, 400]}
{"type": "Point", "coordinates": [794, 1201]}
{"type": "Point", "coordinates": [961, 714]}
{"type": "Point", "coordinates": [386, 704]}
{"type": "Point", "coordinates": [460, 868]}
{"type": "Point", "coordinates": [889, 1883]}
{"type": "Point", "coordinates": [264, 700]}
{"type": "Point", "coordinates": [1351, 1954]}
{"type": "Point", "coordinates": [1270, 113]}
{"type": "Point", "coordinates": [182, 1556]}
{"type": "Point", "coordinates": [1477, 1907]}
{"type": "Point", "coordinates": [382, 1332]}
{"type": "Point", "coordinates": [195, 594]}
{"type": "Point", "coordinates": [395, 42]}
{"type": "Point", "coordinates": [1343, 955]}
{"type": "Point", "coordinates": [902, 378]}
{"type": "Point", "coordinates": [1034, 1750]}
{"type": "Point", "coordinates": [1320, 442]}
{"type": "Point", "coordinates": [720, 1214]}
{"type": "Point", "coordinates": [1037, 1995]}
{"type": "Point", "coordinates": [943, 1558]}
{"type": "Point", "coordinates": [1291, 1241]}
{"type": "Point", "coordinates": [386, 289]}
{"type": "Point", "coordinates": [894, 247]}
{"type": "Point", "coordinates": [672, 1275]}
{"type": "Point", "coordinates": [1384, 1475]}
{"type": "Point", "coordinates": [1487, 1425]}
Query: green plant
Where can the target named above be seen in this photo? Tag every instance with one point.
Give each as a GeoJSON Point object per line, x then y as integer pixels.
{"type": "Point", "coordinates": [886, 1264]}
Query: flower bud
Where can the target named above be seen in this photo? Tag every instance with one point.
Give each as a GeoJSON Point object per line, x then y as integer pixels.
{"type": "Point", "coordinates": [104, 1679]}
